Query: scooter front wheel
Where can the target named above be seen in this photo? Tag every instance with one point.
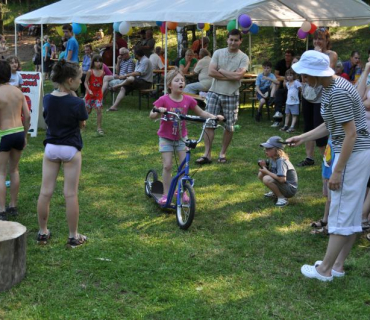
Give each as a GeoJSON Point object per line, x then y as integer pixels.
{"type": "Point", "coordinates": [186, 209]}
{"type": "Point", "coordinates": [151, 177]}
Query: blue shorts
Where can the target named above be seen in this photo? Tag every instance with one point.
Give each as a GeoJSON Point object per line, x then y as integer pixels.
{"type": "Point", "coordinates": [292, 109]}
{"type": "Point", "coordinates": [12, 140]}
{"type": "Point", "coordinates": [167, 145]}
{"type": "Point", "coordinates": [264, 90]}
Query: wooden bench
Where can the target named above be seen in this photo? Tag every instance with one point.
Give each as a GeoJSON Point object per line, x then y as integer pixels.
{"type": "Point", "coordinates": [147, 93]}
{"type": "Point", "coordinates": [201, 100]}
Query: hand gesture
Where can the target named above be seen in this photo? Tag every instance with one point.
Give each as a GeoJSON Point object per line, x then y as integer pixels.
{"type": "Point", "coordinates": [335, 181]}
{"type": "Point", "coordinates": [220, 117]}
{"type": "Point", "coordinates": [264, 170]}
{"type": "Point", "coordinates": [294, 141]}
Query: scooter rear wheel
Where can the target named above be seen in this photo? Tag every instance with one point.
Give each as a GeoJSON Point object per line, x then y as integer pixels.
{"type": "Point", "coordinates": [151, 177]}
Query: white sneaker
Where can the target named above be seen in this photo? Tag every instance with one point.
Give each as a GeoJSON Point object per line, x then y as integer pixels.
{"type": "Point", "coordinates": [311, 272]}
{"type": "Point", "coordinates": [281, 202]}
{"type": "Point", "coordinates": [335, 274]}
{"type": "Point", "coordinates": [277, 115]}
{"type": "Point", "coordinates": [275, 124]}
{"type": "Point", "coordinates": [270, 195]}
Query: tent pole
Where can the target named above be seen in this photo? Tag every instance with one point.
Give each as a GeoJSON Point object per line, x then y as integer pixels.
{"type": "Point", "coordinates": [214, 38]}
{"type": "Point", "coordinates": [15, 39]}
{"type": "Point", "coordinates": [165, 62]}
{"type": "Point", "coordinates": [250, 50]}
{"type": "Point", "coordinates": [114, 52]}
{"type": "Point", "coordinates": [42, 58]}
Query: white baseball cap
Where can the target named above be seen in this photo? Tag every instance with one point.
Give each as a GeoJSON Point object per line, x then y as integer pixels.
{"type": "Point", "coordinates": [314, 63]}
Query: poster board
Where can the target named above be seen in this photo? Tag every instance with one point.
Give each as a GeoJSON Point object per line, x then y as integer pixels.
{"type": "Point", "coordinates": [32, 89]}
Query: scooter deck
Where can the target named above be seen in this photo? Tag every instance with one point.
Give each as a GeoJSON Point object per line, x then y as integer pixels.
{"type": "Point", "coordinates": [157, 192]}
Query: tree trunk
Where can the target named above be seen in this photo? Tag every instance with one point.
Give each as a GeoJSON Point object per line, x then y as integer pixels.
{"type": "Point", "coordinates": [12, 254]}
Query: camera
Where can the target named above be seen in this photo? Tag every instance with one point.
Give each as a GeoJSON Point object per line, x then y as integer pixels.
{"type": "Point", "coordinates": [263, 163]}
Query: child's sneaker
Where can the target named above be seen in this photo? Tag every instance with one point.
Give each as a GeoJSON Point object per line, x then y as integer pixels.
{"type": "Point", "coordinates": [270, 195]}
{"type": "Point", "coordinates": [291, 129]}
{"type": "Point", "coordinates": [163, 200]}
{"type": "Point", "coordinates": [285, 128]}
{"type": "Point", "coordinates": [185, 197]}
{"type": "Point", "coordinates": [76, 242]}
{"type": "Point", "coordinates": [281, 202]}
{"type": "Point", "coordinates": [3, 216]}
{"type": "Point", "coordinates": [43, 239]}
{"type": "Point", "coordinates": [13, 211]}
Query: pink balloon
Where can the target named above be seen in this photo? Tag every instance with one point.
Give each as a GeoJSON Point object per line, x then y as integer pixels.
{"type": "Point", "coordinates": [301, 34]}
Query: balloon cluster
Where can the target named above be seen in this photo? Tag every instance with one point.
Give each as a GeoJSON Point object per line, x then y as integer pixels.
{"type": "Point", "coordinates": [25, 25]}
{"type": "Point", "coordinates": [306, 29]}
{"type": "Point", "coordinates": [203, 26]}
{"type": "Point", "coordinates": [123, 27]}
{"type": "Point", "coordinates": [245, 23]}
{"type": "Point", "coordinates": [78, 28]}
{"type": "Point", "coordinates": [162, 25]}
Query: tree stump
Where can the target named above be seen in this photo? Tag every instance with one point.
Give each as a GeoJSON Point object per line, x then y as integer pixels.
{"type": "Point", "coordinates": [12, 254]}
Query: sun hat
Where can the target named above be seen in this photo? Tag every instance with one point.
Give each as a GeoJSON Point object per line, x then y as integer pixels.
{"type": "Point", "coordinates": [273, 142]}
{"type": "Point", "coordinates": [314, 63]}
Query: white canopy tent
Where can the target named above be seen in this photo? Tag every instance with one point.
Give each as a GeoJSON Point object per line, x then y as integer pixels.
{"type": "Point", "coordinates": [287, 13]}
{"type": "Point", "coordinates": [279, 13]}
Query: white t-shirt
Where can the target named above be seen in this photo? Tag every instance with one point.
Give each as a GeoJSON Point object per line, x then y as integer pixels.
{"type": "Point", "coordinates": [16, 79]}
{"type": "Point", "coordinates": [229, 61]}
{"type": "Point", "coordinates": [202, 69]}
{"type": "Point", "coordinates": [293, 92]}
{"type": "Point", "coordinates": [156, 61]}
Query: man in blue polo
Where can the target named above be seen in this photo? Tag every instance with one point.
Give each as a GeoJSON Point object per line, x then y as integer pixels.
{"type": "Point", "coordinates": [71, 53]}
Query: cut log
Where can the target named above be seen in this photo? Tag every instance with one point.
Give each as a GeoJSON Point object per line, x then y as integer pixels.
{"type": "Point", "coordinates": [12, 254]}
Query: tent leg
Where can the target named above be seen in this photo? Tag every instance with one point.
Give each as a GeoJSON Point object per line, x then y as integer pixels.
{"type": "Point", "coordinates": [15, 39]}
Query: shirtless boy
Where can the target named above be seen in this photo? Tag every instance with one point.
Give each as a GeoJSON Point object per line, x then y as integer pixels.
{"type": "Point", "coordinates": [13, 137]}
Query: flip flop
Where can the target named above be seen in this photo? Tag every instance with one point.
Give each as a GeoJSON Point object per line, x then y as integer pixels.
{"type": "Point", "coordinates": [203, 160]}
{"type": "Point", "coordinates": [112, 109]}
{"type": "Point", "coordinates": [221, 160]}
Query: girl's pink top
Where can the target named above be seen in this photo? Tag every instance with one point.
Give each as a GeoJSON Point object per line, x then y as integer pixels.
{"type": "Point", "coordinates": [170, 129]}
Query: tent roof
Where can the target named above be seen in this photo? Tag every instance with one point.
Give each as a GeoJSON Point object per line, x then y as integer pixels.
{"type": "Point", "coordinates": [290, 13]}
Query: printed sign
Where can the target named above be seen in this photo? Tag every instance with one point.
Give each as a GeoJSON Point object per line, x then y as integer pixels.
{"type": "Point", "coordinates": [32, 89]}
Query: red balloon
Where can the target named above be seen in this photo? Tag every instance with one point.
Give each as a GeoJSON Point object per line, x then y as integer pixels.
{"type": "Point", "coordinates": [313, 29]}
{"type": "Point", "coordinates": [171, 25]}
{"type": "Point", "coordinates": [162, 28]}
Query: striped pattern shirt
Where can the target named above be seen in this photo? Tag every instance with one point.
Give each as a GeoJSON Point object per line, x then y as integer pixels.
{"type": "Point", "coordinates": [341, 103]}
{"type": "Point", "coordinates": [126, 66]}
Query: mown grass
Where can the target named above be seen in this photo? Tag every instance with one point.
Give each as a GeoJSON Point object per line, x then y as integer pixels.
{"type": "Point", "coordinates": [240, 259]}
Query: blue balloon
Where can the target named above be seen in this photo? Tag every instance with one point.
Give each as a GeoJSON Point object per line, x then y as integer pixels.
{"type": "Point", "coordinates": [254, 29]}
{"type": "Point", "coordinates": [76, 27]}
{"type": "Point", "coordinates": [158, 23]}
{"type": "Point", "coordinates": [116, 26]}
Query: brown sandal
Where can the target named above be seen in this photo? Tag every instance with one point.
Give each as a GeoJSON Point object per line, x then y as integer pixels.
{"type": "Point", "coordinates": [319, 224]}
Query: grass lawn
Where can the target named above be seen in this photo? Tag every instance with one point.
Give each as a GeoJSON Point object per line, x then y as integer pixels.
{"type": "Point", "coordinates": [240, 259]}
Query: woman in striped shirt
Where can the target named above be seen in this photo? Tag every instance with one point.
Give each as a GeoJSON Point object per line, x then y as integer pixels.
{"type": "Point", "coordinates": [344, 119]}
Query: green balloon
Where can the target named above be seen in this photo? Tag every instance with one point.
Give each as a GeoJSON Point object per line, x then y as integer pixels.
{"type": "Point", "coordinates": [231, 25]}
{"type": "Point", "coordinates": [83, 28]}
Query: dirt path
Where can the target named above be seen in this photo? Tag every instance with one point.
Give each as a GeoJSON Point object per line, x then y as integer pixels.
{"type": "Point", "coordinates": [24, 46]}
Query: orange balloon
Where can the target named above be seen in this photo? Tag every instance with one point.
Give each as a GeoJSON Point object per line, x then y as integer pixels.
{"type": "Point", "coordinates": [171, 25]}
